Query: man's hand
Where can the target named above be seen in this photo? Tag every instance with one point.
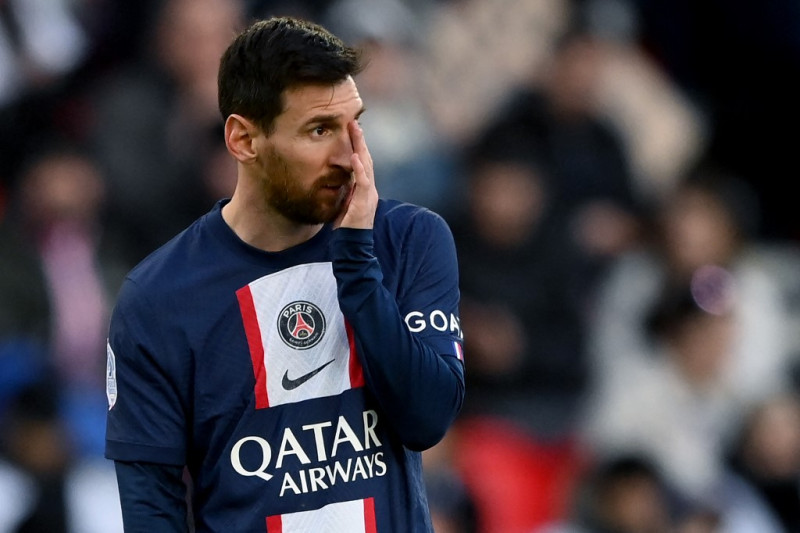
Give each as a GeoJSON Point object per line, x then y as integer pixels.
{"type": "Point", "coordinates": [359, 208]}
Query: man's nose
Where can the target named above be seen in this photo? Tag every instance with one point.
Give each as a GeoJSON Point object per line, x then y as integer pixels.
{"type": "Point", "coordinates": [342, 151]}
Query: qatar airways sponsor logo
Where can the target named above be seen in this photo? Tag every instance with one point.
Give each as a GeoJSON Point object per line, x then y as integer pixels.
{"type": "Point", "coordinates": [290, 461]}
{"type": "Point", "coordinates": [439, 320]}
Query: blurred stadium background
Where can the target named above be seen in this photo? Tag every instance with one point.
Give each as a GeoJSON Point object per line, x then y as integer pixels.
{"type": "Point", "coordinates": [618, 177]}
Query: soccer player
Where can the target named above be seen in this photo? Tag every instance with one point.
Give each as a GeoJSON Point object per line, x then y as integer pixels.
{"type": "Point", "coordinates": [295, 348]}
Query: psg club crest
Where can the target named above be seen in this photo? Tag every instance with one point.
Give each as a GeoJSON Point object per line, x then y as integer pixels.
{"type": "Point", "coordinates": [301, 325]}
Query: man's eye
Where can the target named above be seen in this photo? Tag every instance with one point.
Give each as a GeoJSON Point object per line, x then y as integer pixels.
{"type": "Point", "coordinates": [320, 130]}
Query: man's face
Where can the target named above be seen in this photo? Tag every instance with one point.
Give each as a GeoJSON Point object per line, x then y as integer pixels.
{"type": "Point", "coordinates": [306, 169]}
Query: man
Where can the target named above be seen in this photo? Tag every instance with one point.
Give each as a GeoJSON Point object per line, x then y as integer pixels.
{"type": "Point", "coordinates": [297, 347]}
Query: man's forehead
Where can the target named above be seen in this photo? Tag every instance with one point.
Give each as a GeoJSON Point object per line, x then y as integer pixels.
{"type": "Point", "coordinates": [307, 101]}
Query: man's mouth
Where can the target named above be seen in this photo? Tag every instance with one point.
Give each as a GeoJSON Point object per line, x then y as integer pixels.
{"type": "Point", "coordinates": [335, 185]}
{"type": "Point", "coordinates": [333, 188]}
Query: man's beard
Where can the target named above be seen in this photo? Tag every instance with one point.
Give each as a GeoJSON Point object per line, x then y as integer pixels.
{"type": "Point", "coordinates": [303, 206]}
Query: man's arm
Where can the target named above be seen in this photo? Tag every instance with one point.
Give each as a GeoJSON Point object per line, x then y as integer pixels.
{"type": "Point", "coordinates": [145, 431]}
{"type": "Point", "coordinates": [152, 496]}
{"type": "Point", "coordinates": [419, 381]}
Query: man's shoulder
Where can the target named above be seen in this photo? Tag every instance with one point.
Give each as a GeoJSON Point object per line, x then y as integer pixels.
{"type": "Point", "coordinates": [395, 215]}
{"type": "Point", "coordinates": [173, 262]}
{"type": "Point", "coordinates": [410, 232]}
{"type": "Point", "coordinates": [163, 258]}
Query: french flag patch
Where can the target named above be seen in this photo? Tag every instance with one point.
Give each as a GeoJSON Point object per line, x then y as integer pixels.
{"type": "Point", "coordinates": [459, 351]}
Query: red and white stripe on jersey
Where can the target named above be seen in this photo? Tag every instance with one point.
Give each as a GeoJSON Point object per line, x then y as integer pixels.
{"type": "Point", "coordinates": [357, 516]}
{"type": "Point", "coordinates": [261, 303]}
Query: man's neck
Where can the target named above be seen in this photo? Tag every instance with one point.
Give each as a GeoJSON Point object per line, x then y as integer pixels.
{"type": "Point", "coordinates": [263, 228]}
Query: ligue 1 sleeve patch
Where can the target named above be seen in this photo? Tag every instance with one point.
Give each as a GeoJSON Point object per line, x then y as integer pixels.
{"type": "Point", "coordinates": [111, 376]}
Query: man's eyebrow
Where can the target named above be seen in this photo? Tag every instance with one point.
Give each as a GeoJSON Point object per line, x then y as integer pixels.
{"type": "Point", "coordinates": [319, 119]}
{"type": "Point", "coordinates": [331, 117]}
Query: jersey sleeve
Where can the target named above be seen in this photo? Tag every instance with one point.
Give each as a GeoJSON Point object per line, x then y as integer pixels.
{"type": "Point", "coordinates": [409, 345]}
{"type": "Point", "coordinates": [147, 384]}
{"type": "Point", "coordinates": [152, 497]}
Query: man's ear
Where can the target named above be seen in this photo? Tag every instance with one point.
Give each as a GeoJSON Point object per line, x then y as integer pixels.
{"type": "Point", "coordinates": [240, 135]}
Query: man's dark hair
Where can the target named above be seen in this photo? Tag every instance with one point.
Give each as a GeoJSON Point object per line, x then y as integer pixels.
{"type": "Point", "coordinates": [274, 55]}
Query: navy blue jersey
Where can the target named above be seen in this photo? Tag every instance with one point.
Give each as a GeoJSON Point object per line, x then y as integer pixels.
{"type": "Point", "coordinates": [298, 387]}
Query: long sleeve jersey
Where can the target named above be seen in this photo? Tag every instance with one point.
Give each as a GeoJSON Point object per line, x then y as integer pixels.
{"type": "Point", "coordinates": [297, 388]}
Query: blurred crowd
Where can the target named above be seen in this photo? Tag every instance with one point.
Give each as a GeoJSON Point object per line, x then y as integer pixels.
{"type": "Point", "coordinates": [615, 173]}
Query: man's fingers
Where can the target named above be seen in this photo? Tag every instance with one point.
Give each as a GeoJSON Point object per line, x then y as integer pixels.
{"type": "Point", "coordinates": [360, 147]}
{"type": "Point", "coordinates": [356, 136]}
{"type": "Point", "coordinates": [359, 172]}
{"type": "Point", "coordinates": [359, 208]}
{"type": "Point", "coordinates": [345, 206]}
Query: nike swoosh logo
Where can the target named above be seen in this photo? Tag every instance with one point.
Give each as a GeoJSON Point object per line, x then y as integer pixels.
{"type": "Point", "coordinates": [291, 384]}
